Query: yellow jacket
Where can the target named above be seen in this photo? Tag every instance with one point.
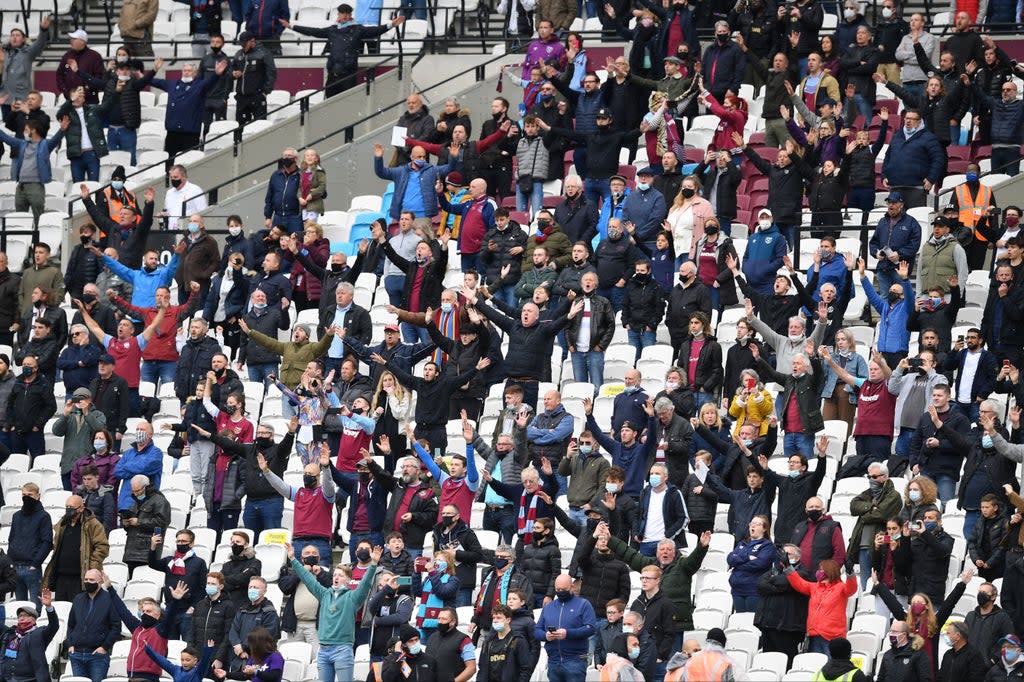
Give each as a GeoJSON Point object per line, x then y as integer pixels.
{"type": "Point", "coordinates": [755, 411]}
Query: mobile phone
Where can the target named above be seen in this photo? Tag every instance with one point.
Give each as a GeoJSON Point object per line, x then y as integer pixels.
{"type": "Point", "coordinates": [158, 531]}
{"type": "Point", "coordinates": [1006, 363]}
{"type": "Point", "coordinates": [960, 339]}
{"type": "Point", "coordinates": [404, 580]}
{"type": "Point", "coordinates": [552, 628]}
{"type": "Point", "coordinates": [887, 539]}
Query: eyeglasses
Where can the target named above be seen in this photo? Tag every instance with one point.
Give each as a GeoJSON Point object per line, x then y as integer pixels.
{"type": "Point", "coordinates": [647, 577]}
{"type": "Point", "coordinates": [875, 477]}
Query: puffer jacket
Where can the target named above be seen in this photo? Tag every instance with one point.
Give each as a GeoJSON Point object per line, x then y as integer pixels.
{"type": "Point", "coordinates": [908, 162]}
{"type": "Point", "coordinates": [604, 576]}
{"type": "Point", "coordinates": [748, 561]}
{"type": "Point", "coordinates": [196, 356]}
{"type": "Point", "coordinates": [237, 570]}
{"type": "Point", "coordinates": [532, 158]}
{"type": "Point", "coordinates": [211, 620]}
{"type": "Point", "coordinates": [511, 237]}
{"type": "Point", "coordinates": [153, 512]}
{"type": "Point", "coordinates": [541, 562]}
{"type": "Point", "coordinates": [782, 607]}
{"type": "Point", "coordinates": [909, 663]}
{"type": "Point", "coordinates": [826, 611]}
{"type": "Point", "coordinates": [234, 484]}
{"type": "Point", "coordinates": [94, 116]}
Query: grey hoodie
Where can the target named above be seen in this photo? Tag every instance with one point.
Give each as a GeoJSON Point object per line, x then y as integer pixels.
{"type": "Point", "coordinates": [17, 80]}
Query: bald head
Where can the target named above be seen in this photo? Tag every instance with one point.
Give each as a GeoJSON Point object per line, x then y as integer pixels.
{"type": "Point", "coordinates": [563, 582]}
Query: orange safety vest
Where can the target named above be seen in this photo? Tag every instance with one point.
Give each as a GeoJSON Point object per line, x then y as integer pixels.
{"type": "Point", "coordinates": [675, 675]}
{"type": "Point", "coordinates": [114, 205]}
{"type": "Point", "coordinates": [707, 666]}
{"type": "Point", "coordinates": [973, 208]}
{"type": "Point", "coordinates": [377, 667]}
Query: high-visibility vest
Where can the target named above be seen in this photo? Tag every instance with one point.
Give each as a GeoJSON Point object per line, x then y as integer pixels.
{"type": "Point", "coordinates": [610, 670]}
{"type": "Point", "coordinates": [973, 208]}
{"type": "Point", "coordinates": [675, 675]}
{"type": "Point", "coordinates": [845, 677]}
{"type": "Point", "coordinates": [377, 668]}
{"type": "Point", "coordinates": [707, 666]}
{"type": "Point", "coordinates": [114, 205]}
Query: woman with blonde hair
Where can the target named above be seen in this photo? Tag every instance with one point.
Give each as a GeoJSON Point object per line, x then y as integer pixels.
{"type": "Point", "coordinates": [752, 404]}
{"type": "Point", "coordinates": [312, 186]}
{"type": "Point", "coordinates": [687, 216]}
{"type": "Point", "coordinates": [306, 287]}
{"type": "Point", "coordinates": [394, 408]}
{"type": "Point", "coordinates": [839, 400]}
{"type": "Point", "coordinates": [921, 496]}
{"type": "Point", "coordinates": [440, 589]}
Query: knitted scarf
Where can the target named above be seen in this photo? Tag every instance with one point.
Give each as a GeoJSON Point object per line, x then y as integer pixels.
{"type": "Point", "coordinates": [526, 517]}
{"type": "Point", "coordinates": [430, 606]}
{"type": "Point", "coordinates": [448, 325]}
{"type": "Point", "coordinates": [502, 591]}
{"type": "Point", "coordinates": [19, 632]}
{"type": "Point", "coordinates": [177, 564]}
{"type": "Point", "coordinates": [542, 235]}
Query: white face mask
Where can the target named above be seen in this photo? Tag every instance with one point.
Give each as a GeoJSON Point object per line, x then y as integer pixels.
{"type": "Point", "coordinates": [234, 231]}
{"type": "Point", "coordinates": [849, 14]}
{"type": "Point", "coordinates": [887, 12]}
{"type": "Point", "coordinates": [764, 224]}
{"type": "Point", "coordinates": [186, 79]}
{"type": "Point", "coordinates": [124, 78]}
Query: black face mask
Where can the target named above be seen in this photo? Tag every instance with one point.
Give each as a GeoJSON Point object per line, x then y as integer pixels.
{"type": "Point", "coordinates": [311, 560]}
{"type": "Point", "coordinates": [28, 503]}
{"type": "Point", "coordinates": [237, 550]}
{"type": "Point", "coordinates": [182, 549]}
{"type": "Point", "coordinates": [641, 276]}
{"type": "Point", "coordinates": [148, 621]}
{"type": "Point", "coordinates": [363, 555]}
{"type": "Point", "coordinates": [688, 192]}
{"type": "Point", "coordinates": [309, 481]}
{"type": "Point", "coordinates": [500, 563]}
{"type": "Point", "coordinates": [444, 628]}
{"type": "Point", "coordinates": [286, 162]}
{"type": "Point", "coordinates": [604, 127]}
{"type": "Point", "coordinates": [264, 443]}
{"type": "Point", "coordinates": [893, 297]}
{"type": "Point", "coordinates": [176, 183]}
{"type": "Point", "coordinates": [815, 514]}
{"type": "Point", "coordinates": [984, 598]}
{"type": "Point", "coordinates": [711, 229]}
{"type": "Point", "coordinates": [337, 267]}
{"type": "Point", "coordinates": [449, 520]}
{"type": "Point", "coordinates": [215, 50]}
{"type": "Point", "coordinates": [92, 587]}
{"type": "Point", "coordinates": [722, 38]}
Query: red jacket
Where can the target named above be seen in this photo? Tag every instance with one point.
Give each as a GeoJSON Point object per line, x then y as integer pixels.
{"type": "Point", "coordinates": [162, 346]}
{"type": "Point", "coordinates": [732, 122]}
{"type": "Point", "coordinates": [138, 660]}
{"type": "Point", "coordinates": [826, 612]}
{"type": "Point", "coordinates": [301, 279]}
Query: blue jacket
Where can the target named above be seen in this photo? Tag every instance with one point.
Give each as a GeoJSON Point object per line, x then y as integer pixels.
{"type": "Point", "coordinates": [748, 562]}
{"type": "Point", "coordinates": [576, 617]}
{"type": "Point", "coordinates": [76, 376]}
{"type": "Point", "coordinates": [673, 509]}
{"type": "Point", "coordinates": [400, 176]}
{"type": "Point", "coordinates": [632, 459]}
{"type": "Point", "coordinates": [376, 499]}
{"type": "Point", "coordinates": [42, 154]}
{"type": "Point", "coordinates": [185, 103]}
{"type": "Point", "coordinates": [745, 504]}
{"type": "Point", "coordinates": [148, 462]}
{"type": "Point", "coordinates": [833, 272]}
{"type": "Point", "coordinates": [763, 258]}
{"type": "Point", "coordinates": [645, 209]}
{"type": "Point", "coordinates": [609, 211]}
{"type": "Point", "coordinates": [262, 17]}
{"type": "Point", "coordinates": [984, 377]}
{"type": "Point", "coordinates": [727, 63]}
{"type": "Point", "coordinates": [893, 336]}
{"type": "Point", "coordinates": [909, 162]}
{"type": "Point", "coordinates": [903, 237]}
{"type": "Point", "coordinates": [282, 194]}
{"type": "Point", "coordinates": [144, 284]}
{"type": "Point", "coordinates": [1007, 119]}
{"type": "Point", "coordinates": [404, 355]}
{"type": "Point", "coordinates": [178, 674]}
{"type": "Point", "coordinates": [855, 365]}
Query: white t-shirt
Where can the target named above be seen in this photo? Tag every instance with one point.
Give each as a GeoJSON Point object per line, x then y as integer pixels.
{"type": "Point", "coordinates": [174, 198]}
{"type": "Point", "coordinates": [654, 531]}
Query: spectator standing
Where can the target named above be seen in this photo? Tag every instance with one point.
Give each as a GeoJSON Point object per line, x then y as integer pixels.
{"type": "Point", "coordinates": [77, 426]}
{"type": "Point", "coordinates": [254, 70]}
{"type": "Point", "coordinates": [92, 628]}
{"type": "Point", "coordinates": [87, 143]}
{"type": "Point", "coordinates": [896, 239]}
{"type": "Point", "coordinates": [186, 104]}
{"type": "Point", "coordinates": [19, 55]}
{"type": "Point", "coordinates": [785, 187]}
{"type": "Point", "coordinates": [136, 25]}
{"type": "Point", "coordinates": [574, 622]}
{"type": "Point", "coordinates": [29, 408]}
{"type": "Point", "coordinates": [31, 542]}
{"type": "Point", "coordinates": [912, 73]}
{"type": "Point", "coordinates": [1007, 115]}
{"type": "Point", "coordinates": [915, 161]}
{"type": "Point", "coordinates": [148, 511]}
{"type": "Point", "coordinates": [418, 124]}
{"type": "Point", "coordinates": [31, 166]}
{"type": "Point", "coordinates": [88, 60]}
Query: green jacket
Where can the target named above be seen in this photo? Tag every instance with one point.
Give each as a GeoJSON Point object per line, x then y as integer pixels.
{"type": "Point", "coordinates": [336, 623]}
{"type": "Point", "coordinates": [78, 436]}
{"type": "Point", "coordinates": [676, 578]}
{"type": "Point", "coordinates": [872, 514]}
{"type": "Point", "coordinates": [94, 115]}
{"type": "Point", "coordinates": [294, 356]}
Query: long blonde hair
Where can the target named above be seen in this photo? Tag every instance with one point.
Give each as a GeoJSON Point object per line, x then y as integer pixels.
{"type": "Point", "coordinates": [399, 391]}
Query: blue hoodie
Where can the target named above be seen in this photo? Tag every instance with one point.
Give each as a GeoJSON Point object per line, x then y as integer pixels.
{"type": "Point", "coordinates": [148, 462]}
{"type": "Point", "coordinates": [893, 336]}
{"type": "Point", "coordinates": [763, 258]}
{"type": "Point", "coordinates": [576, 617]}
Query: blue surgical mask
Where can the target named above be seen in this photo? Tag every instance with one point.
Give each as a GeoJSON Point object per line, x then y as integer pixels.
{"type": "Point", "coordinates": [253, 594]}
{"type": "Point", "coordinates": [415, 649]}
{"type": "Point", "coordinates": [946, 640]}
{"type": "Point", "coordinates": [419, 163]}
{"type": "Point", "coordinates": [447, 307]}
{"type": "Point", "coordinates": [1011, 655]}
{"type": "Point", "coordinates": [211, 590]}
{"type": "Point", "coordinates": [936, 301]}
{"type": "Point", "coordinates": [634, 653]}
{"type": "Point", "coordinates": [748, 442]}
{"type": "Point", "coordinates": [971, 177]}
{"type": "Point", "coordinates": [498, 625]}
{"type": "Point", "coordinates": [99, 444]}
{"type": "Point", "coordinates": [117, 184]}
{"type": "Point", "coordinates": [259, 306]}
{"type": "Point", "coordinates": [611, 487]}
{"type": "Point", "coordinates": [642, 186]}
{"type": "Point", "coordinates": [793, 562]}
{"type": "Point", "coordinates": [794, 473]}
{"type": "Point", "coordinates": [655, 480]}
{"type": "Point", "coordinates": [930, 525]}
{"type": "Point", "coordinates": [193, 228]}
{"type": "Point", "coordinates": [907, 132]}
{"type": "Point", "coordinates": [440, 566]}
{"type": "Point", "coordinates": [627, 629]}
{"type": "Point", "coordinates": [914, 495]}
{"type": "Point", "coordinates": [631, 389]}
{"type": "Point", "coordinates": [586, 449]}
{"type": "Point", "coordinates": [986, 441]}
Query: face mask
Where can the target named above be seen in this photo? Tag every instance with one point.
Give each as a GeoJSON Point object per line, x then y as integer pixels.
{"type": "Point", "coordinates": [984, 598]}
{"type": "Point", "coordinates": [819, 575]}
{"type": "Point", "coordinates": [27, 371]}
{"type": "Point", "coordinates": [586, 449]}
{"type": "Point", "coordinates": [917, 609]}
{"type": "Point", "coordinates": [794, 474]}
{"type": "Point", "coordinates": [614, 235]}
{"type": "Point", "coordinates": [147, 620]}
{"type": "Point", "coordinates": [122, 59]}
{"type": "Point", "coordinates": [875, 486]}
{"type": "Point", "coordinates": [849, 14]}
{"type": "Point", "coordinates": [930, 525]}
{"type": "Point", "coordinates": [448, 520]}
{"type": "Point", "coordinates": [627, 629]}
{"type": "Point", "coordinates": [415, 649]}
{"type": "Point", "coordinates": [722, 38]}
{"type": "Point", "coordinates": [183, 549]}
{"type": "Point", "coordinates": [1011, 655]}
{"type": "Point", "coordinates": [1012, 221]}
{"type": "Point", "coordinates": [92, 587]}
{"type": "Point", "coordinates": [422, 260]}
{"type": "Point", "coordinates": [234, 231]}
{"type": "Point", "coordinates": [336, 267]}
{"type": "Point", "coordinates": [611, 487]}
{"type": "Point", "coordinates": [419, 163]}
{"type": "Point", "coordinates": [259, 306]}
{"type": "Point", "coordinates": [253, 594]}
{"type": "Point", "coordinates": [893, 297]}
{"type": "Point", "coordinates": [176, 183]}
{"type": "Point", "coordinates": [546, 98]}
{"type": "Point", "coordinates": [309, 481]}
{"type": "Point", "coordinates": [971, 177]}
{"type": "Point", "coordinates": [687, 192]}
{"type": "Point", "coordinates": [237, 550]}
{"type": "Point", "coordinates": [895, 536]}
{"type": "Point", "coordinates": [748, 442]}
{"type": "Point", "coordinates": [287, 162]}
{"type": "Point", "coordinates": [647, 22]}
{"type": "Point", "coordinates": [193, 228]}
{"type": "Point", "coordinates": [117, 184]}
{"type": "Point", "coordinates": [894, 641]}
{"type": "Point", "coordinates": [946, 640]}
{"type": "Point", "coordinates": [444, 628]}
{"type": "Point", "coordinates": [140, 498]}
{"type": "Point", "coordinates": [99, 444]}
{"type": "Point", "coordinates": [986, 442]}
{"type": "Point", "coordinates": [655, 480]}
{"type": "Point", "coordinates": [70, 513]}
{"type": "Point", "coordinates": [642, 186]}
{"type": "Point", "coordinates": [215, 50]}
{"type": "Point", "coordinates": [447, 307]}
{"type": "Point", "coordinates": [498, 625]}
{"type": "Point", "coordinates": [500, 563]}
{"type": "Point", "coordinates": [887, 12]}
{"type": "Point", "coordinates": [908, 131]}
{"type": "Point", "coordinates": [310, 560]}
{"type": "Point", "coordinates": [914, 495]}
{"type": "Point", "coordinates": [793, 562]}
{"type": "Point", "coordinates": [212, 590]}
{"type": "Point", "coordinates": [186, 79]}
{"type": "Point", "coordinates": [604, 127]}
{"type": "Point", "coordinates": [563, 595]}
{"type": "Point", "coordinates": [264, 443]}
{"type": "Point", "coordinates": [634, 653]}
{"type": "Point", "coordinates": [631, 389]}
{"type": "Point", "coordinates": [671, 385]}
{"type": "Point", "coordinates": [543, 222]}
{"type": "Point", "coordinates": [711, 229]}
{"type": "Point", "coordinates": [764, 224]}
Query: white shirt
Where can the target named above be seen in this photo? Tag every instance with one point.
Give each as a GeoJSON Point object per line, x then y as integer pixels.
{"type": "Point", "coordinates": [86, 140]}
{"type": "Point", "coordinates": [654, 531]}
{"type": "Point", "coordinates": [174, 198]}
{"type": "Point", "coordinates": [966, 386]}
{"type": "Point", "coordinates": [583, 337]}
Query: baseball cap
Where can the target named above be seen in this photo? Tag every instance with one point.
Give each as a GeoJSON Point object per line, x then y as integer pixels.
{"type": "Point", "coordinates": [80, 34]}
{"type": "Point", "coordinates": [648, 170]}
{"type": "Point", "coordinates": [107, 358]}
{"type": "Point", "coordinates": [894, 197]}
{"type": "Point", "coordinates": [603, 113]}
{"type": "Point", "coordinates": [391, 327]}
{"type": "Point", "coordinates": [825, 101]}
{"type": "Point", "coordinates": [244, 37]}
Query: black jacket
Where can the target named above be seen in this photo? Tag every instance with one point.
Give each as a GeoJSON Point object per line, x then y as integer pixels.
{"type": "Point", "coordinates": [808, 392]}
{"type": "Point", "coordinates": [289, 582]}
{"type": "Point", "coordinates": [602, 323]}
{"type": "Point", "coordinates": [111, 397]}
{"type": "Point", "coordinates": [708, 377]}
{"type": "Point", "coordinates": [8, 578]}
{"type": "Point", "coordinates": [344, 45]}
{"type": "Point", "coordinates": [31, 536]}
{"type": "Point", "coordinates": [930, 551]}
{"type": "Point", "coordinates": [793, 495]}
{"type": "Point", "coordinates": [781, 607]}
{"type": "Point", "coordinates": [431, 396]}
{"type": "Point", "coordinates": [513, 664]}
{"type": "Point", "coordinates": [468, 551]}
{"type": "Point", "coordinates": [195, 361]}
{"type": "Point", "coordinates": [212, 620]}
{"type": "Point", "coordinates": [95, 624]}
{"type": "Point", "coordinates": [462, 359]}
{"type": "Point", "coordinates": [603, 575]}
{"type": "Point", "coordinates": [130, 244]}
{"type": "Point", "coordinates": [683, 302]}
{"type": "Point", "coordinates": [195, 576]}
{"type": "Point", "coordinates": [673, 514]}
{"type": "Point", "coordinates": [423, 508]}
{"type": "Point", "coordinates": [422, 668]}
{"type": "Point", "coordinates": [578, 218]}
{"type": "Point", "coordinates": [529, 347]}
{"type": "Point", "coordinates": [389, 612]}
{"type": "Point", "coordinates": [677, 435]}
{"type": "Point", "coordinates": [237, 571]}
{"type": "Point", "coordinates": [965, 665]}
{"type": "Point", "coordinates": [541, 562]}
{"type": "Point", "coordinates": [644, 304]}
{"type": "Point", "coordinates": [31, 662]}
{"type": "Point", "coordinates": [511, 237]}
{"type": "Point", "coordinates": [31, 405]}
{"type": "Point", "coordinates": [615, 261]}
{"type": "Point", "coordinates": [909, 663]}
{"type": "Point", "coordinates": [658, 616]}
{"type": "Point", "coordinates": [154, 512]}
{"type": "Point", "coordinates": [357, 322]}
{"type": "Point", "coordinates": [785, 185]}
{"type": "Point", "coordinates": [433, 276]}
{"type": "Point", "coordinates": [985, 631]}
{"type": "Point", "coordinates": [258, 71]}
{"type": "Point", "coordinates": [728, 184]}
{"type": "Point", "coordinates": [859, 63]}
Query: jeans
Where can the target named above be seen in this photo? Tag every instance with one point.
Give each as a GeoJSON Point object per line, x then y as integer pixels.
{"type": "Point", "coordinates": [648, 548]}
{"type": "Point", "coordinates": [745, 604]}
{"type": "Point", "coordinates": [789, 232]}
{"type": "Point", "coordinates": [886, 278]}
{"type": "Point", "coordinates": [641, 340]}
{"type": "Point", "coordinates": [567, 669]}
{"type": "Point", "coordinates": [1001, 156]}
{"type": "Point", "coordinates": [375, 539]}
{"type": "Point", "coordinates": [614, 296]}
{"type": "Point", "coordinates": [533, 201]}
{"type": "Point", "coordinates": [416, 587]}
{"type": "Point", "coordinates": [471, 261]}
{"type": "Point", "coordinates": [259, 515]}
{"type": "Point", "coordinates": [596, 190]}
{"type": "Point", "coordinates": [464, 597]}
{"type": "Point", "coordinates": [261, 371]}
{"type": "Point", "coordinates": [588, 366]}
{"type": "Point", "coordinates": [563, 482]}
{"type": "Point", "coordinates": [93, 666]}
{"type": "Point", "coordinates": [946, 485]}
{"type": "Point", "coordinates": [798, 442]}
{"type": "Point", "coordinates": [85, 167]}
{"type": "Point", "coordinates": [903, 442]}
{"type": "Point", "coordinates": [122, 139]}
{"type": "Point", "coordinates": [159, 371]}
{"type": "Point", "coordinates": [818, 645]}
{"type": "Point", "coordinates": [502, 521]}
{"type": "Point", "coordinates": [970, 410]}
{"type": "Point", "coordinates": [862, 198]}
{"type": "Point", "coordinates": [916, 88]}
{"type": "Point", "coordinates": [864, 559]}
{"type": "Point", "coordinates": [700, 398]}
{"type": "Point", "coordinates": [30, 442]}
{"type": "Point", "coordinates": [507, 295]}
{"type": "Point", "coordinates": [864, 108]}
{"type": "Point", "coordinates": [221, 520]}
{"type": "Point", "coordinates": [26, 585]}
{"type": "Point", "coordinates": [335, 662]}
{"type": "Point", "coordinates": [578, 515]}
{"type": "Point", "coordinates": [971, 517]}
